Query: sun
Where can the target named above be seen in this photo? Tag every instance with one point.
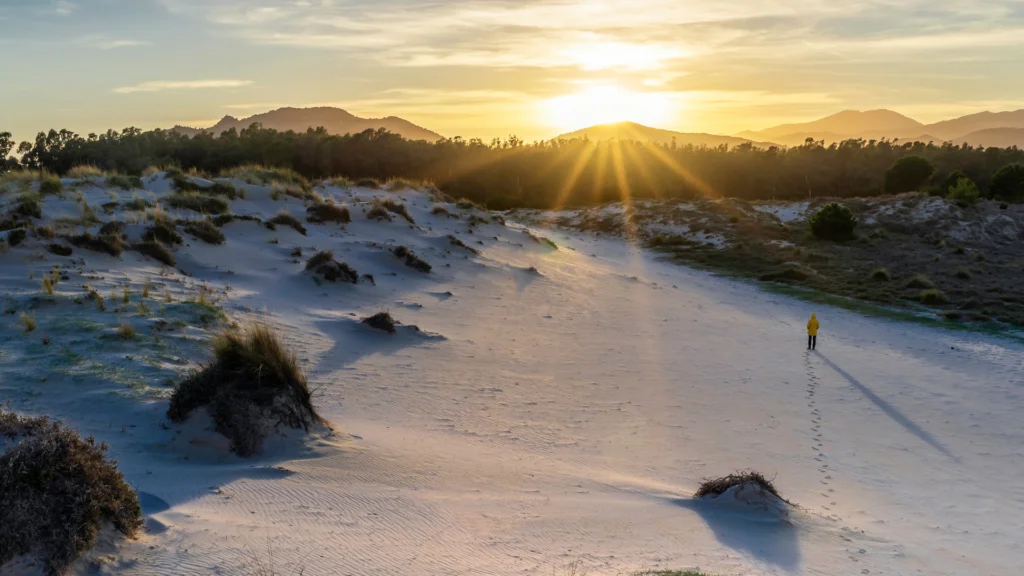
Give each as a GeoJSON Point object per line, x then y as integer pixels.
{"type": "Point", "coordinates": [604, 104]}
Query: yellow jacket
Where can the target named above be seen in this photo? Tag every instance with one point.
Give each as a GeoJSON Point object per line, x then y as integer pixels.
{"type": "Point", "coordinates": [812, 325]}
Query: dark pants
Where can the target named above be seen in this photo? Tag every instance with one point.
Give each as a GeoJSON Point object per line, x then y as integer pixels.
{"type": "Point", "coordinates": [812, 342]}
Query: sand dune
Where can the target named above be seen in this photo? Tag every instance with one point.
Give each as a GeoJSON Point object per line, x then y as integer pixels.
{"type": "Point", "coordinates": [555, 405]}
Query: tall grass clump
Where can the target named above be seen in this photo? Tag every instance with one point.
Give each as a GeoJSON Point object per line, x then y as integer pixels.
{"type": "Point", "coordinates": [124, 182]}
{"type": "Point", "coordinates": [253, 385]}
{"type": "Point", "coordinates": [50, 185]}
{"type": "Point", "coordinates": [57, 491]}
{"type": "Point", "coordinates": [203, 203]}
{"type": "Point", "coordinates": [84, 172]}
{"type": "Point", "coordinates": [381, 321]}
{"type": "Point", "coordinates": [323, 264]}
{"type": "Point", "coordinates": [396, 208]}
{"type": "Point", "coordinates": [111, 244]}
{"type": "Point", "coordinates": [918, 281]}
{"type": "Point", "coordinates": [28, 322]}
{"type": "Point", "coordinates": [205, 230]}
{"type": "Point", "coordinates": [155, 250]}
{"type": "Point", "coordinates": [283, 218]}
{"type": "Point", "coordinates": [328, 212]}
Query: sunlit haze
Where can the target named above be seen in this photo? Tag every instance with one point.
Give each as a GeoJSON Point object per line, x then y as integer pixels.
{"type": "Point", "coordinates": [484, 68]}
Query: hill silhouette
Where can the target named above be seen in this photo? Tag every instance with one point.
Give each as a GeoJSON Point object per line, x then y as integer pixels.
{"type": "Point", "coordinates": [960, 128]}
{"type": "Point", "coordinates": [641, 133]}
{"type": "Point", "coordinates": [335, 120]}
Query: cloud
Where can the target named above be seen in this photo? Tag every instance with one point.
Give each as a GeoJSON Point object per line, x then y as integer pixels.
{"type": "Point", "coordinates": [159, 86]}
{"type": "Point", "coordinates": [64, 7]}
{"type": "Point", "coordinates": [107, 43]}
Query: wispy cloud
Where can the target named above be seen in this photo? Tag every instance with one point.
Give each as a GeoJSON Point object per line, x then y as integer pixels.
{"type": "Point", "coordinates": [107, 43]}
{"type": "Point", "coordinates": [161, 85]}
{"type": "Point", "coordinates": [63, 8]}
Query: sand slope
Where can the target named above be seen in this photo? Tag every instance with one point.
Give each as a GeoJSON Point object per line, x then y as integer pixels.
{"type": "Point", "coordinates": [556, 405]}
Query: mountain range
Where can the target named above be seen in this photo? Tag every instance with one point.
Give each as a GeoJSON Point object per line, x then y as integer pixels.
{"type": "Point", "coordinates": [1000, 129]}
{"type": "Point", "coordinates": [641, 133]}
{"type": "Point", "coordinates": [335, 120]}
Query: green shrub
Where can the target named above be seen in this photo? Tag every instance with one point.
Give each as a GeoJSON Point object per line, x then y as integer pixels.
{"type": "Point", "coordinates": [965, 193]}
{"type": "Point", "coordinates": [881, 274]}
{"type": "Point", "coordinates": [254, 384]}
{"type": "Point", "coordinates": [155, 250]}
{"type": "Point", "coordinates": [28, 206]}
{"type": "Point", "coordinates": [205, 231]}
{"type": "Point", "coordinates": [1008, 183]}
{"type": "Point", "coordinates": [933, 297]}
{"type": "Point", "coordinates": [833, 222]}
{"type": "Point", "coordinates": [908, 174]}
{"type": "Point", "coordinates": [57, 491]}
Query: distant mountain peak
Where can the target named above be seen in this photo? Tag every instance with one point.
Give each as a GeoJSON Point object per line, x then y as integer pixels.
{"type": "Point", "coordinates": [628, 130]}
{"type": "Point", "coordinates": [334, 120]}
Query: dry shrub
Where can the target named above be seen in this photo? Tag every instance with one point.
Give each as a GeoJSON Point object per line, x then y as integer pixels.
{"type": "Point", "coordinates": [285, 219]}
{"type": "Point", "coordinates": [125, 331]}
{"type": "Point", "coordinates": [378, 212]}
{"type": "Point", "coordinates": [328, 212]}
{"type": "Point", "coordinates": [381, 321]}
{"type": "Point", "coordinates": [323, 264]}
{"type": "Point", "coordinates": [57, 491]}
{"type": "Point", "coordinates": [395, 208]}
{"type": "Point", "coordinates": [254, 384]}
{"type": "Point", "coordinates": [411, 260]}
{"type": "Point", "coordinates": [718, 486]}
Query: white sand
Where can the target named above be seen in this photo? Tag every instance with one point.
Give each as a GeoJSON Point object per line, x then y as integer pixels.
{"type": "Point", "coordinates": [542, 418]}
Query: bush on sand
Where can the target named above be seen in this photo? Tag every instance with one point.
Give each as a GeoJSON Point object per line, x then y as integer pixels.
{"type": "Point", "coordinates": [253, 385]}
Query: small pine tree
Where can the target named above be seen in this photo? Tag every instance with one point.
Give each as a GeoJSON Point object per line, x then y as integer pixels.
{"type": "Point", "coordinates": [965, 193]}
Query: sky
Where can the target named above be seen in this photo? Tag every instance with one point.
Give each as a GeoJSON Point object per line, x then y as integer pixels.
{"type": "Point", "coordinates": [491, 68]}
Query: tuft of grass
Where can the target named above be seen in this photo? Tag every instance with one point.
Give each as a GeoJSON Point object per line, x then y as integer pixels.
{"type": "Point", "coordinates": [933, 297]}
{"type": "Point", "coordinates": [881, 275]}
{"type": "Point", "coordinates": [328, 212]}
{"type": "Point", "coordinates": [379, 213]}
{"type": "Point", "coordinates": [47, 286]}
{"type": "Point", "coordinates": [125, 331]}
{"type": "Point", "coordinates": [396, 208]}
{"type": "Point", "coordinates": [262, 175]}
{"type": "Point", "coordinates": [205, 230]}
{"type": "Point", "coordinates": [28, 322]}
{"type": "Point", "coordinates": [381, 321]}
{"type": "Point", "coordinates": [59, 249]}
{"type": "Point", "coordinates": [84, 172]}
{"type": "Point", "coordinates": [145, 289]}
{"type": "Point", "coordinates": [50, 185]}
{"type": "Point", "coordinates": [467, 204]}
{"type": "Point", "coordinates": [57, 491]}
{"type": "Point", "coordinates": [254, 384]}
{"type": "Point", "coordinates": [542, 240]}
{"type": "Point", "coordinates": [225, 189]}
{"type": "Point", "coordinates": [918, 281]}
{"type": "Point", "coordinates": [962, 274]}
{"type": "Point", "coordinates": [718, 486]}
{"type": "Point", "coordinates": [203, 203]}
{"type": "Point", "coordinates": [163, 230]}
{"type": "Point", "coordinates": [459, 243]}
{"type": "Point", "coordinates": [107, 243]}
{"type": "Point", "coordinates": [368, 183]}
{"type": "Point", "coordinates": [155, 250]}
{"type": "Point", "coordinates": [124, 182]}
{"type": "Point", "coordinates": [45, 232]}
{"type": "Point", "coordinates": [283, 218]}
{"type": "Point", "coordinates": [412, 260]}
{"type": "Point", "coordinates": [323, 263]}
{"type": "Point", "coordinates": [439, 210]}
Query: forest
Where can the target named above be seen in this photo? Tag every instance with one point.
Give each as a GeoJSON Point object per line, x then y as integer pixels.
{"type": "Point", "coordinates": [512, 173]}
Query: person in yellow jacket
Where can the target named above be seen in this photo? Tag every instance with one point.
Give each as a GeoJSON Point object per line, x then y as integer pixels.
{"type": "Point", "coordinates": [812, 332]}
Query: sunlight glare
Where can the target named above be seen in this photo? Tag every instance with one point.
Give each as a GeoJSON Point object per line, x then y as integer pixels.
{"type": "Point", "coordinates": [607, 105]}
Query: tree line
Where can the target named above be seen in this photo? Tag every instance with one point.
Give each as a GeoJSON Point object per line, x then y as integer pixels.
{"type": "Point", "coordinates": [512, 173]}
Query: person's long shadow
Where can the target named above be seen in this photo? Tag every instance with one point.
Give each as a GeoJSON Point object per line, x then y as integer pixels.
{"type": "Point", "coordinates": [890, 410]}
{"type": "Point", "coordinates": [774, 542]}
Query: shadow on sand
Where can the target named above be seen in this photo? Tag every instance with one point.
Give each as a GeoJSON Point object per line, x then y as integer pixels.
{"type": "Point", "coordinates": [890, 410]}
{"type": "Point", "coordinates": [768, 540]}
{"type": "Point", "coordinates": [353, 340]}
